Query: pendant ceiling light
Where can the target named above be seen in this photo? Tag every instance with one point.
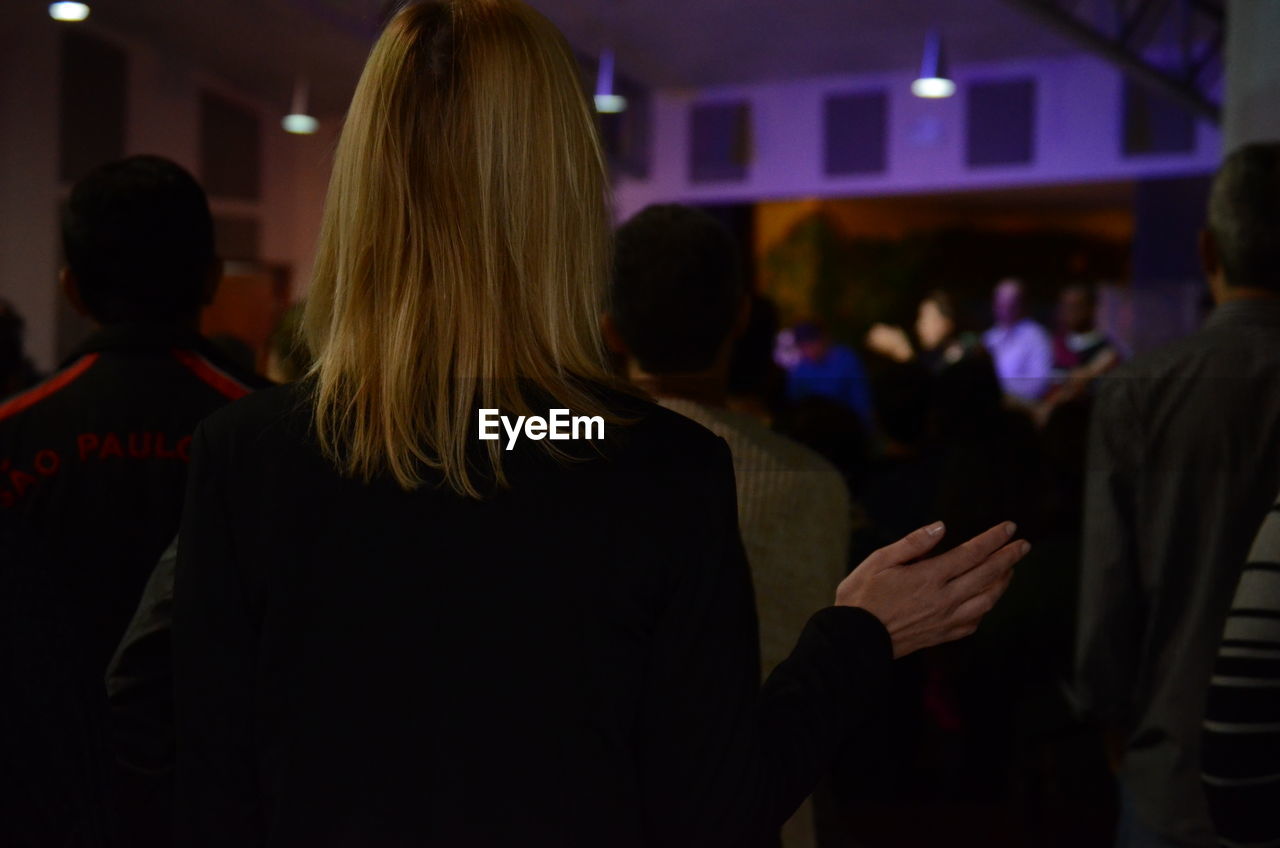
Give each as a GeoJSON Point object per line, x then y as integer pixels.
{"type": "Point", "coordinates": [298, 121]}
{"type": "Point", "coordinates": [933, 81]}
{"type": "Point", "coordinates": [71, 12]}
{"type": "Point", "coordinates": [606, 101]}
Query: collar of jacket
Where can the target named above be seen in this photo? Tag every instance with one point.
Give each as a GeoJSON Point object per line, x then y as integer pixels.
{"type": "Point", "coordinates": [1247, 312]}
{"type": "Point", "coordinates": [143, 338]}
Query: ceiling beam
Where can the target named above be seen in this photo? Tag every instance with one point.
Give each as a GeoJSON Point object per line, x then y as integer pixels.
{"type": "Point", "coordinates": [1128, 61]}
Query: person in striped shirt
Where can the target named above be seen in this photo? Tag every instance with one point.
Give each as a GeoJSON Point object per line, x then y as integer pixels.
{"type": "Point", "coordinates": [1241, 754]}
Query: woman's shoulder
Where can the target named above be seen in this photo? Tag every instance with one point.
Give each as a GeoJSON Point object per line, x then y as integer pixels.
{"type": "Point", "coordinates": [272, 415]}
{"type": "Point", "coordinates": [652, 434]}
{"type": "Point", "coordinates": [640, 434]}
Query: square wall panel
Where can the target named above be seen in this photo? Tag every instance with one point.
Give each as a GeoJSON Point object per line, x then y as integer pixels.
{"type": "Point", "coordinates": [854, 133]}
{"type": "Point", "coordinates": [720, 142]}
{"type": "Point", "coordinates": [93, 107]}
{"type": "Point", "coordinates": [230, 148]}
{"type": "Point", "coordinates": [1155, 124]}
{"type": "Point", "coordinates": [1001, 122]}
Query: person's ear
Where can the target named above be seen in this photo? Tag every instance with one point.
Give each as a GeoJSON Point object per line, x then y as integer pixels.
{"type": "Point", "coordinates": [211, 281]}
{"type": "Point", "coordinates": [743, 318]}
{"type": "Point", "coordinates": [1211, 261]}
{"type": "Point", "coordinates": [71, 289]}
{"type": "Point", "coordinates": [1208, 246]}
{"type": "Point", "coordinates": [612, 338]}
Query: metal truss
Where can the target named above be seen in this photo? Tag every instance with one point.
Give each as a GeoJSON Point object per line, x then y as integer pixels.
{"type": "Point", "coordinates": [1173, 46]}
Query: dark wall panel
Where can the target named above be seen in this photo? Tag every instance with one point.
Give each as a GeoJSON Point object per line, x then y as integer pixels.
{"type": "Point", "coordinates": [93, 103]}
{"type": "Point", "coordinates": [237, 238]}
{"type": "Point", "coordinates": [854, 130]}
{"type": "Point", "coordinates": [230, 149]}
{"type": "Point", "coordinates": [1155, 124]}
{"type": "Point", "coordinates": [720, 143]}
{"type": "Point", "coordinates": [1001, 122]}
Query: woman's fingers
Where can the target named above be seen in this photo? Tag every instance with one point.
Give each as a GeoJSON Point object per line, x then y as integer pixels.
{"type": "Point", "coordinates": [910, 547]}
{"type": "Point", "coordinates": [966, 616]}
{"type": "Point", "coordinates": [980, 577]}
{"type": "Point", "coordinates": [975, 551]}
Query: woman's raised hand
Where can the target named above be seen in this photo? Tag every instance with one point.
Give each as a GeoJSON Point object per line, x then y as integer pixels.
{"type": "Point", "coordinates": [925, 602]}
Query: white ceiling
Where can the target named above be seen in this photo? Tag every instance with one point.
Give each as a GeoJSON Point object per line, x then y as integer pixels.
{"type": "Point", "coordinates": [260, 45]}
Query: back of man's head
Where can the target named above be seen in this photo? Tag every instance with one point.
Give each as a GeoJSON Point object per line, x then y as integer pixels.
{"type": "Point", "coordinates": [677, 289]}
{"type": "Point", "coordinates": [138, 238]}
{"type": "Point", "coordinates": [1244, 216]}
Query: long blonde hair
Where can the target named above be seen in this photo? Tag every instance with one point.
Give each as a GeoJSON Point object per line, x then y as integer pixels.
{"type": "Point", "coordinates": [465, 246]}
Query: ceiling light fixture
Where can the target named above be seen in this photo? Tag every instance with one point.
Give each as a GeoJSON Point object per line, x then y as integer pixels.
{"type": "Point", "coordinates": [70, 12]}
{"type": "Point", "coordinates": [298, 121]}
{"type": "Point", "coordinates": [606, 101]}
{"type": "Point", "coordinates": [933, 81]}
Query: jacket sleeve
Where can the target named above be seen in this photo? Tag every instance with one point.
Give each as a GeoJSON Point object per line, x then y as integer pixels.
{"type": "Point", "coordinates": [1111, 618]}
{"type": "Point", "coordinates": [721, 761]}
{"type": "Point", "coordinates": [214, 645]}
{"type": "Point", "coordinates": [140, 676]}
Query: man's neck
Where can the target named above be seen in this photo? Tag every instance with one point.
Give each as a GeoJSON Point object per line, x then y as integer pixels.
{"type": "Point", "coordinates": [708, 388]}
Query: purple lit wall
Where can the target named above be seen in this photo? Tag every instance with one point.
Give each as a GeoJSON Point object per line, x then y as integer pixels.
{"type": "Point", "coordinates": [1074, 105]}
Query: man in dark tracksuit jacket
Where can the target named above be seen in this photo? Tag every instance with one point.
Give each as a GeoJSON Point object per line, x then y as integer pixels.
{"type": "Point", "coordinates": [92, 471]}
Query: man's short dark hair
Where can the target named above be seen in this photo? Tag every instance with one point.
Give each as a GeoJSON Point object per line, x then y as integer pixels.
{"type": "Point", "coordinates": [1244, 216]}
{"type": "Point", "coordinates": [677, 288]}
{"type": "Point", "coordinates": [138, 236]}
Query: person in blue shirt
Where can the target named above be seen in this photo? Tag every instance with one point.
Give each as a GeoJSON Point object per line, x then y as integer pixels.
{"type": "Point", "coordinates": [828, 370]}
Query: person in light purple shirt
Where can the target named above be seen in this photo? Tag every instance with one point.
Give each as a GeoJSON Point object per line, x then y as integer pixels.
{"type": "Point", "coordinates": [1021, 348]}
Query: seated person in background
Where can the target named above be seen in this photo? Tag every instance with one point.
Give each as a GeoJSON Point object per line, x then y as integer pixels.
{"type": "Point", "coordinates": [1021, 348]}
{"type": "Point", "coordinates": [829, 370]}
{"type": "Point", "coordinates": [96, 461]}
{"type": "Point", "coordinates": [1241, 755]}
{"type": "Point", "coordinates": [678, 302]}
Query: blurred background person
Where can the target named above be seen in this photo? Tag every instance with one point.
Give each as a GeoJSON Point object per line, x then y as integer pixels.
{"type": "Point", "coordinates": [1021, 348]}
{"type": "Point", "coordinates": [1080, 348]}
{"type": "Point", "coordinates": [96, 459]}
{"type": "Point", "coordinates": [16, 370]}
{"type": "Point", "coordinates": [1082, 354]}
{"type": "Point", "coordinates": [552, 644]}
{"type": "Point", "coordinates": [1184, 461]}
{"type": "Point", "coordinates": [827, 369]}
{"type": "Point", "coordinates": [943, 341]}
{"type": "Point", "coordinates": [1081, 351]}
{"type": "Point", "coordinates": [677, 305]}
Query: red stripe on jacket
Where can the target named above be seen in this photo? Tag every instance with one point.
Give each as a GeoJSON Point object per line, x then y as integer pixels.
{"type": "Point", "coordinates": [220, 380]}
{"type": "Point", "coordinates": [53, 385]}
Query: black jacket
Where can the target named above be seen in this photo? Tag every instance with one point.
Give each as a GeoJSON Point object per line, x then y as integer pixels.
{"type": "Point", "coordinates": [92, 471]}
{"type": "Point", "coordinates": [571, 662]}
